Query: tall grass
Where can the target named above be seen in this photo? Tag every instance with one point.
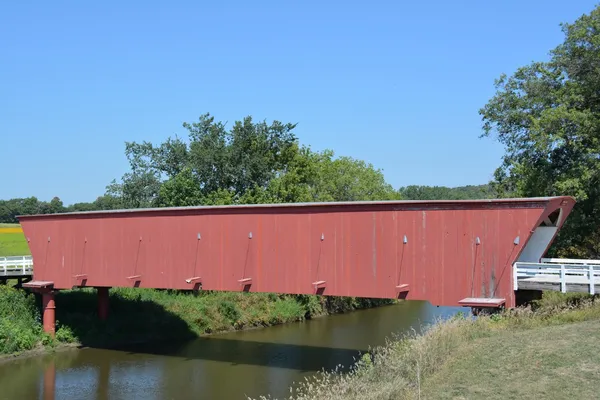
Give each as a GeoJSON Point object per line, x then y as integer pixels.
{"type": "Point", "coordinates": [149, 314]}
{"type": "Point", "coordinates": [144, 315]}
{"type": "Point", "coordinates": [398, 369]}
{"type": "Point", "coordinates": [20, 327]}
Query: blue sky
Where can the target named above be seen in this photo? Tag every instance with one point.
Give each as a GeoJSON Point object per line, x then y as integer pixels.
{"type": "Point", "coordinates": [398, 84]}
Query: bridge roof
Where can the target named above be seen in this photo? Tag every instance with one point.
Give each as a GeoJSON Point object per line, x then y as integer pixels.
{"type": "Point", "coordinates": [399, 205]}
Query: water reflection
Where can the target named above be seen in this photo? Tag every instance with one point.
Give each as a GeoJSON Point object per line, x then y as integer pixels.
{"type": "Point", "coordinates": [227, 366]}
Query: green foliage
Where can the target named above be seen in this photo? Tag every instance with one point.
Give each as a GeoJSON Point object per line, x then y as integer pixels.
{"type": "Point", "coordinates": [20, 327]}
{"type": "Point", "coordinates": [547, 115]}
{"type": "Point", "coordinates": [229, 311]}
{"type": "Point", "coordinates": [470, 192]}
{"type": "Point", "coordinates": [65, 334]}
{"type": "Point", "coordinates": [253, 162]}
{"type": "Point", "coordinates": [10, 209]}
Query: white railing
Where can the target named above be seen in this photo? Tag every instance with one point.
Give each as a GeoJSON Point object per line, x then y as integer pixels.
{"type": "Point", "coordinates": [16, 266]}
{"type": "Point", "coordinates": [559, 271]}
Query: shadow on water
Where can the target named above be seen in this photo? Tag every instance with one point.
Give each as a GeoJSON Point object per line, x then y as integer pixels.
{"type": "Point", "coordinates": [145, 351]}
{"type": "Point", "coordinates": [145, 327]}
{"type": "Point", "coordinates": [304, 358]}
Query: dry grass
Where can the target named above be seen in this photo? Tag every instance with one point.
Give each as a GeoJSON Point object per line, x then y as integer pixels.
{"type": "Point", "coordinates": [518, 354]}
{"type": "Point", "coordinates": [555, 362]}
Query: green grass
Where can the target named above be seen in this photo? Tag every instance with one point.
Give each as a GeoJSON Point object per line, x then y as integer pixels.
{"type": "Point", "coordinates": [20, 327]}
{"type": "Point", "coordinates": [554, 362]}
{"type": "Point", "coordinates": [551, 350]}
{"type": "Point", "coordinates": [13, 244]}
{"type": "Point", "coordinates": [146, 315]}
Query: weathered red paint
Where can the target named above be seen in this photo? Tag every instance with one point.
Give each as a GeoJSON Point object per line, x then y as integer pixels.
{"type": "Point", "coordinates": [48, 307]}
{"type": "Point", "coordinates": [338, 249]}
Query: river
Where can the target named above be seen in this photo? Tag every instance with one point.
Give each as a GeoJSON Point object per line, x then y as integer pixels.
{"type": "Point", "coordinates": [225, 366]}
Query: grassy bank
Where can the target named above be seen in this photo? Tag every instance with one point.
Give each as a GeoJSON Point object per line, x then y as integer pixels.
{"type": "Point", "coordinates": [12, 241]}
{"type": "Point", "coordinates": [549, 351]}
{"type": "Point", "coordinates": [143, 315]}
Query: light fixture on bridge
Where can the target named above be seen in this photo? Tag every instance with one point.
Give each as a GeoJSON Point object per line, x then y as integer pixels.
{"type": "Point", "coordinates": [517, 240]}
{"type": "Point", "coordinates": [405, 240]}
{"type": "Point", "coordinates": [477, 241]}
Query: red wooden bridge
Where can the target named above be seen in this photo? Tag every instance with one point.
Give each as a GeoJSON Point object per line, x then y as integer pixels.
{"type": "Point", "coordinates": [449, 253]}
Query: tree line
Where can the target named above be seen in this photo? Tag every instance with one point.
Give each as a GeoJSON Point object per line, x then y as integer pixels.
{"type": "Point", "coordinates": [546, 114]}
{"type": "Point", "coordinates": [253, 162]}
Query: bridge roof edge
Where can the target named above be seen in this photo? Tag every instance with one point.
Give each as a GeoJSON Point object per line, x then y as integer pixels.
{"type": "Point", "coordinates": [401, 204]}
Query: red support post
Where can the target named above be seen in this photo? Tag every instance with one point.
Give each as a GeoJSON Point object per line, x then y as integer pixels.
{"type": "Point", "coordinates": [103, 303]}
{"type": "Point", "coordinates": [49, 315]}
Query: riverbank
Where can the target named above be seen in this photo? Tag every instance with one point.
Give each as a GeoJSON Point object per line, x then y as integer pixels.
{"type": "Point", "coordinates": [148, 315]}
{"type": "Point", "coordinates": [549, 351]}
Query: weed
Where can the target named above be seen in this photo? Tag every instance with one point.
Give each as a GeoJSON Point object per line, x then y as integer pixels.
{"type": "Point", "coordinates": [406, 366]}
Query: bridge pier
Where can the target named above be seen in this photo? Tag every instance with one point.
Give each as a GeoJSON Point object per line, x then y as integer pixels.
{"type": "Point", "coordinates": [49, 314]}
{"type": "Point", "coordinates": [103, 302]}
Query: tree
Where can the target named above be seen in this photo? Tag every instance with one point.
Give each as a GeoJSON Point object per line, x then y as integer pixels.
{"type": "Point", "coordinates": [10, 209]}
{"type": "Point", "coordinates": [249, 164]}
{"type": "Point", "coordinates": [547, 115]}
{"type": "Point", "coordinates": [214, 159]}
{"type": "Point", "coordinates": [415, 192]}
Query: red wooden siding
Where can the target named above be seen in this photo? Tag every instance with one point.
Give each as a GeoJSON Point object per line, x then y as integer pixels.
{"type": "Point", "coordinates": [356, 248]}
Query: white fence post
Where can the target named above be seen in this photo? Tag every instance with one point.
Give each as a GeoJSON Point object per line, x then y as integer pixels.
{"type": "Point", "coordinates": [592, 280]}
{"type": "Point", "coordinates": [563, 279]}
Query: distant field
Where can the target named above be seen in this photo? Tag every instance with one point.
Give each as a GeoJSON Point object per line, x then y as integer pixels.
{"type": "Point", "coordinates": [3, 225]}
{"type": "Point", "coordinates": [12, 241]}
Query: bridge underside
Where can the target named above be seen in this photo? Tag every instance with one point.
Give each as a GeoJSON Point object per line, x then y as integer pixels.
{"type": "Point", "coordinates": [447, 252]}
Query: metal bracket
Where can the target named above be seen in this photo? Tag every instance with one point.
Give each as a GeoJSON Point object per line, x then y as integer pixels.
{"type": "Point", "coordinates": [319, 284]}
{"type": "Point", "coordinates": [245, 281]}
{"type": "Point", "coordinates": [402, 288]}
{"type": "Point", "coordinates": [194, 279]}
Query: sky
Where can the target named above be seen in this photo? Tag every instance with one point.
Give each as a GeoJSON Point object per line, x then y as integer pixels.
{"type": "Point", "coordinates": [398, 84]}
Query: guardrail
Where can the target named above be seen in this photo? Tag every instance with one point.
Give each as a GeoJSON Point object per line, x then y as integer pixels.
{"type": "Point", "coordinates": [555, 273]}
{"type": "Point", "coordinates": [16, 266]}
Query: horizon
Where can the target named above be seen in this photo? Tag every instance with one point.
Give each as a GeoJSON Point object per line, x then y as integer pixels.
{"type": "Point", "coordinates": [398, 86]}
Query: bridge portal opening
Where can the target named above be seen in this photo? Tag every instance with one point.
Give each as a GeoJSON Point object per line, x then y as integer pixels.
{"type": "Point", "coordinates": [541, 238]}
